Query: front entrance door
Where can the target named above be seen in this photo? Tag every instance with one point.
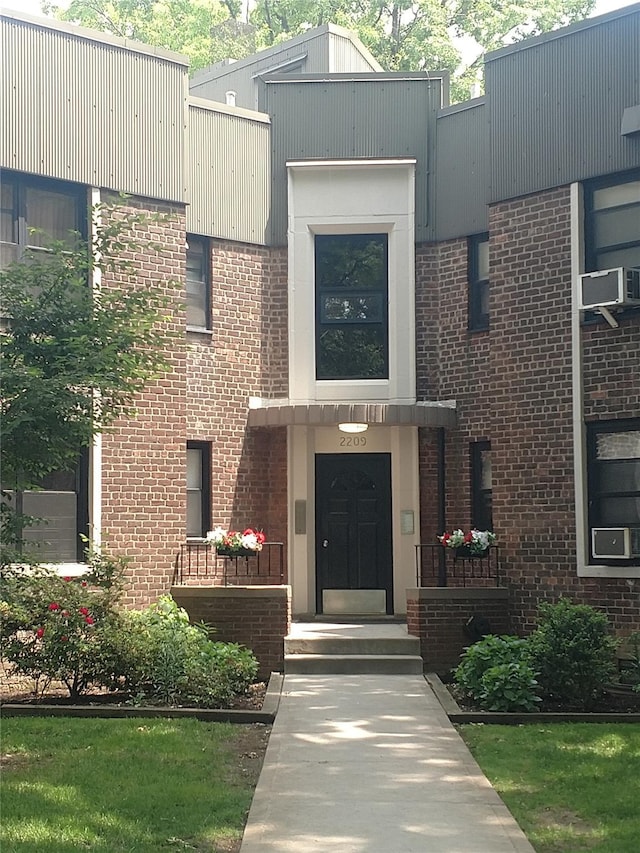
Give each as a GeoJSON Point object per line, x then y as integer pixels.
{"type": "Point", "coordinates": [353, 526]}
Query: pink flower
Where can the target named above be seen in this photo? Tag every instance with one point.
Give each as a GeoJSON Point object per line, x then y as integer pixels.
{"type": "Point", "coordinates": [84, 611]}
{"type": "Point", "coordinates": [89, 620]}
{"type": "Point", "coordinates": [54, 606]}
{"type": "Point", "coordinates": [67, 579]}
{"type": "Point", "coordinates": [40, 633]}
{"type": "Point", "coordinates": [83, 583]}
{"type": "Point", "coordinates": [63, 638]}
{"type": "Point", "coordinates": [65, 613]}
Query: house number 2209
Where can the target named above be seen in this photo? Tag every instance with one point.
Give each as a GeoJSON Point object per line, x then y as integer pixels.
{"type": "Point", "coordinates": [353, 441]}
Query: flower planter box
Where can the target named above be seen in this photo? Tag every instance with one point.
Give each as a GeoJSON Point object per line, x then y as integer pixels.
{"type": "Point", "coordinates": [235, 552]}
{"type": "Point", "coordinates": [464, 552]}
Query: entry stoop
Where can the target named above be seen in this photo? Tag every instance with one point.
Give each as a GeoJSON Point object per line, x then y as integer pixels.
{"type": "Point", "coordinates": [371, 648]}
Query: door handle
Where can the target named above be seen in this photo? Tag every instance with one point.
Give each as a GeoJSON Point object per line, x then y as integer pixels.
{"type": "Point", "coordinates": [325, 543]}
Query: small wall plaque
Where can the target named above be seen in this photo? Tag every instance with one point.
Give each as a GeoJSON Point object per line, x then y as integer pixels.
{"type": "Point", "coordinates": [406, 522]}
{"type": "Point", "coordinates": [300, 517]}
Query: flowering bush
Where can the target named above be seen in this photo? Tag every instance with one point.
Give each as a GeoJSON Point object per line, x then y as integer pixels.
{"type": "Point", "coordinates": [477, 541]}
{"type": "Point", "coordinates": [59, 628]}
{"type": "Point", "coordinates": [234, 541]}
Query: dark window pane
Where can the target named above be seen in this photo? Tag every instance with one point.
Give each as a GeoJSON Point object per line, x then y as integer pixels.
{"type": "Point", "coordinates": [197, 284]}
{"type": "Point", "coordinates": [617, 226]}
{"type": "Point", "coordinates": [478, 278]}
{"type": "Point", "coordinates": [198, 488]}
{"type": "Point", "coordinates": [612, 224]}
{"type": "Point", "coordinates": [50, 216]}
{"type": "Point", "coordinates": [351, 261]}
{"type": "Point", "coordinates": [351, 353]}
{"type": "Point", "coordinates": [619, 512]}
{"type": "Point", "coordinates": [618, 477]}
{"type": "Point", "coordinates": [7, 213]}
{"type": "Point", "coordinates": [351, 277]}
{"type": "Point", "coordinates": [629, 257]}
{"type": "Point", "coordinates": [352, 309]}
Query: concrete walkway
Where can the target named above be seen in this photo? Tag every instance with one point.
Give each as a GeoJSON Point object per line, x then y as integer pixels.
{"type": "Point", "coordinates": [364, 763]}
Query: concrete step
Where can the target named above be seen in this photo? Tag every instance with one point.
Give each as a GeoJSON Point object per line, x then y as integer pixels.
{"type": "Point", "coordinates": [352, 664]}
{"type": "Point", "coordinates": [352, 645]}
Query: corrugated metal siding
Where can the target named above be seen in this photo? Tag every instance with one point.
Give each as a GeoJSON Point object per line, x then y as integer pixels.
{"type": "Point", "coordinates": [353, 118]}
{"type": "Point", "coordinates": [343, 57]}
{"type": "Point", "coordinates": [462, 172]}
{"type": "Point", "coordinates": [556, 107]}
{"type": "Point", "coordinates": [229, 175]}
{"type": "Point", "coordinates": [90, 112]}
{"type": "Point", "coordinates": [321, 52]}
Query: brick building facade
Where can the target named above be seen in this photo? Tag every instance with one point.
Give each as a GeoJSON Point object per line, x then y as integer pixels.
{"type": "Point", "coordinates": [408, 266]}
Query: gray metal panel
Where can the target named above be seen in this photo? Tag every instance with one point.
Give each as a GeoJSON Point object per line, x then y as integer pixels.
{"type": "Point", "coordinates": [393, 116]}
{"type": "Point", "coordinates": [343, 57]}
{"type": "Point", "coordinates": [322, 50]}
{"type": "Point", "coordinates": [96, 113]}
{"type": "Point", "coordinates": [556, 105]}
{"type": "Point", "coordinates": [462, 171]}
{"type": "Point", "coordinates": [229, 174]}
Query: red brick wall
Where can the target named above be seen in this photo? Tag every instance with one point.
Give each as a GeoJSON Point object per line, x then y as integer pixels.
{"type": "Point", "coordinates": [513, 387]}
{"type": "Point", "coordinates": [438, 618]}
{"type": "Point", "coordinates": [258, 618]}
{"type": "Point", "coordinates": [143, 457]}
{"type": "Point", "coordinates": [245, 357]}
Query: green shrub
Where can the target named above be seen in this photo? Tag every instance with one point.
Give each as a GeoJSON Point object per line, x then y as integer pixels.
{"type": "Point", "coordinates": [60, 628]}
{"type": "Point", "coordinates": [496, 674]}
{"type": "Point", "coordinates": [491, 651]}
{"type": "Point", "coordinates": [171, 662]}
{"type": "Point", "coordinates": [630, 668]}
{"type": "Point", "coordinates": [509, 687]}
{"type": "Point", "coordinates": [573, 653]}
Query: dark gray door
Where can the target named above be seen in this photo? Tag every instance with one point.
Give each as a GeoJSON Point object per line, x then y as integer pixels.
{"type": "Point", "coordinates": [353, 523]}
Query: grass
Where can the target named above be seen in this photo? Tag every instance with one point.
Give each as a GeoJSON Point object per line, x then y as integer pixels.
{"type": "Point", "coordinates": [121, 785]}
{"type": "Point", "coordinates": [571, 787]}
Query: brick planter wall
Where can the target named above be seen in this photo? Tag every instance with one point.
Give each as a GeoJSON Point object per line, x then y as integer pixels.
{"type": "Point", "coordinates": [437, 616]}
{"type": "Point", "coordinates": [258, 617]}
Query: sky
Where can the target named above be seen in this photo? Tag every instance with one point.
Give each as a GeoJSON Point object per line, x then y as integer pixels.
{"type": "Point", "coordinates": [32, 7]}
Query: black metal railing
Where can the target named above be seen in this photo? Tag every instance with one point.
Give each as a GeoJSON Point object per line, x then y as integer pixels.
{"type": "Point", "coordinates": [438, 566]}
{"type": "Point", "coordinates": [199, 562]}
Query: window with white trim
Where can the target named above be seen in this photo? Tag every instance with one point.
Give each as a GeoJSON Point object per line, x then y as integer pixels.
{"type": "Point", "coordinates": [351, 280]}
{"type": "Point", "coordinates": [33, 213]}
{"type": "Point", "coordinates": [614, 483]}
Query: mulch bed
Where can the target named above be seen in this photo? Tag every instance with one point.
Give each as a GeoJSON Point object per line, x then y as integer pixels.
{"type": "Point", "coordinates": [19, 690]}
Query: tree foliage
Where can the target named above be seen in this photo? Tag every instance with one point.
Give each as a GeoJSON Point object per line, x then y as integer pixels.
{"type": "Point", "coordinates": [402, 35]}
{"type": "Point", "coordinates": [73, 357]}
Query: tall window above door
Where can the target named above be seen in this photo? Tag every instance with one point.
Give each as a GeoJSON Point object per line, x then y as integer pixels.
{"type": "Point", "coordinates": [198, 283]}
{"type": "Point", "coordinates": [612, 222]}
{"type": "Point", "coordinates": [351, 286]}
{"type": "Point", "coordinates": [478, 275]}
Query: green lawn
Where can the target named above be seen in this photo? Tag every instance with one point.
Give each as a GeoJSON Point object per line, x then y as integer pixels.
{"type": "Point", "coordinates": [121, 785]}
{"type": "Point", "coordinates": [571, 787]}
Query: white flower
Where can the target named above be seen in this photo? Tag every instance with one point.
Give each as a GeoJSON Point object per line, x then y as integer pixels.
{"type": "Point", "coordinates": [250, 541]}
{"type": "Point", "coordinates": [216, 535]}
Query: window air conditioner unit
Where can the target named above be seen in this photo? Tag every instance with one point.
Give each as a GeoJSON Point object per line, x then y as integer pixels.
{"type": "Point", "coordinates": [615, 543]}
{"type": "Point", "coordinates": [617, 288]}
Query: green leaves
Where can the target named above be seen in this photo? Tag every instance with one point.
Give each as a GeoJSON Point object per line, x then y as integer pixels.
{"type": "Point", "coordinates": [73, 357]}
